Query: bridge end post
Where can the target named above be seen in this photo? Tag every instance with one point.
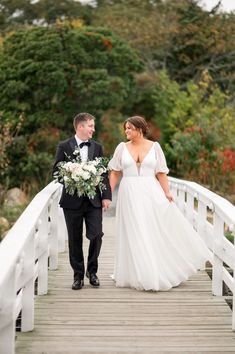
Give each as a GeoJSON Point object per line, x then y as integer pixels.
{"type": "Point", "coordinates": [7, 314]}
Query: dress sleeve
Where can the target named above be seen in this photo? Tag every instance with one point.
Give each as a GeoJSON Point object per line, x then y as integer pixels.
{"type": "Point", "coordinates": [161, 166]}
{"type": "Point", "coordinates": [116, 162]}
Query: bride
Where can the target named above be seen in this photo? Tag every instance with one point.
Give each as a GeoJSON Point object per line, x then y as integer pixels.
{"type": "Point", "coordinates": [156, 247]}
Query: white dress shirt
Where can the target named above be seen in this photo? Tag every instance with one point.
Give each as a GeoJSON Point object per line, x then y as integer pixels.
{"type": "Point", "coordinates": [83, 150]}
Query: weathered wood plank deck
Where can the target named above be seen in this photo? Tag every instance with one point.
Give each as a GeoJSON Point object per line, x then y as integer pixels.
{"type": "Point", "coordinates": [184, 320]}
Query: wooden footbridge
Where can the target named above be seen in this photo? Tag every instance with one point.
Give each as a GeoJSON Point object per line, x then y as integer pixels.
{"type": "Point", "coordinates": [193, 318]}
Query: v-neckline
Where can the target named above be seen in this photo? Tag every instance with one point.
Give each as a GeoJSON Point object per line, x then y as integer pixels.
{"type": "Point", "coordinates": [144, 156]}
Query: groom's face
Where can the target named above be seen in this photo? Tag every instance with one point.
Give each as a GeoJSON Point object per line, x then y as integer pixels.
{"type": "Point", "coordinates": [85, 129]}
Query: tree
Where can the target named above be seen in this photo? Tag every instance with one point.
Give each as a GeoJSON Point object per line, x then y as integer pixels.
{"type": "Point", "coordinates": [50, 74]}
{"type": "Point", "coordinates": [14, 13]}
{"type": "Point", "coordinates": [7, 135]}
{"type": "Point", "coordinates": [179, 36]}
{"type": "Point", "coordinates": [145, 24]}
{"type": "Point", "coordinates": [202, 40]}
{"type": "Point", "coordinates": [198, 130]}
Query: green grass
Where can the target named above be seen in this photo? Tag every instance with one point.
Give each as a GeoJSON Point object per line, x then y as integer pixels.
{"type": "Point", "coordinates": [11, 214]}
{"type": "Point", "coordinates": [229, 236]}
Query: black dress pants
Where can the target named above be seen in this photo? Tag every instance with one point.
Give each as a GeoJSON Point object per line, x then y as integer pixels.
{"type": "Point", "coordinates": [74, 221]}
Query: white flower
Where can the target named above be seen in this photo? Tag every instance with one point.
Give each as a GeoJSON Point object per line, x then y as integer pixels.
{"type": "Point", "coordinates": [85, 175]}
{"type": "Point", "coordinates": [95, 162]}
{"type": "Point", "coordinates": [76, 169]}
{"type": "Point", "coordinates": [102, 170]}
{"type": "Point", "coordinates": [75, 177]}
{"type": "Point", "coordinates": [67, 166]}
{"type": "Point", "coordinates": [66, 178]}
{"type": "Point", "coordinates": [90, 168]}
{"type": "Point", "coordinates": [76, 151]}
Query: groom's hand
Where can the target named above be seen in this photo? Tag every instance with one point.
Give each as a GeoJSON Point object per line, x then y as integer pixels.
{"type": "Point", "coordinates": [106, 203]}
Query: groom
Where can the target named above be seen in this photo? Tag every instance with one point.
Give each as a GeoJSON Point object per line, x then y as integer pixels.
{"type": "Point", "coordinates": [78, 209]}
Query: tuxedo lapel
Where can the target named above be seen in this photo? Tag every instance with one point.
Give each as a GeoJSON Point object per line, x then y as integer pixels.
{"type": "Point", "coordinates": [91, 150]}
{"type": "Point", "coordinates": [73, 144]}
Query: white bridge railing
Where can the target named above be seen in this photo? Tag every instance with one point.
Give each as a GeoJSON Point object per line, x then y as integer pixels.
{"type": "Point", "coordinates": [39, 234]}
{"type": "Point", "coordinates": [30, 246]}
{"type": "Point", "coordinates": [213, 217]}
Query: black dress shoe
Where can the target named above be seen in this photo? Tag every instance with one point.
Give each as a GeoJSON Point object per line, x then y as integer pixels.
{"type": "Point", "coordinates": [94, 280]}
{"type": "Point", "coordinates": [78, 284]}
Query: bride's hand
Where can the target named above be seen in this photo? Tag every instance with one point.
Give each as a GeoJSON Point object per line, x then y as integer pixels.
{"type": "Point", "coordinates": [169, 197]}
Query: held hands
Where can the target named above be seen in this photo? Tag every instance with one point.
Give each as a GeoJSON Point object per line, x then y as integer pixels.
{"type": "Point", "coordinates": [106, 203]}
{"type": "Point", "coordinates": [169, 197]}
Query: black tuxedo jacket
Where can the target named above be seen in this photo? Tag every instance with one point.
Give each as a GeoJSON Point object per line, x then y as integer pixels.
{"type": "Point", "coordinates": [68, 201]}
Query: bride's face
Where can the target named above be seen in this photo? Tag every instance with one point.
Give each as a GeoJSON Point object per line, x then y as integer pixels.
{"type": "Point", "coordinates": [131, 132]}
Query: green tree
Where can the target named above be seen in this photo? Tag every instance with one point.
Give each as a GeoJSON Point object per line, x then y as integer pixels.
{"type": "Point", "coordinates": [201, 103]}
{"type": "Point", "coordinates": [147, 25]}
{"type": "Point", "coordinates": [179, 36]}
{"type": "Point", "coordinates": [14, 13]}
{"type": "Point", "coordinates": [50, 74]}
{"type": "Point", "coordinates": [8, 134]}
{"type": "Point", "coordinates": [198, 129]}
{"type": "Point", "coordinates": [202, 40]}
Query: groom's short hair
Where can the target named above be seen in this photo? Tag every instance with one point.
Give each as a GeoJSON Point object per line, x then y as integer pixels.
{"type": "Point", "coordinates": [81, 118]}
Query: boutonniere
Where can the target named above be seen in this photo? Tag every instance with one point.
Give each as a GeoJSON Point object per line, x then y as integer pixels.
{"type": "Point", "coordinates": [76, 152]}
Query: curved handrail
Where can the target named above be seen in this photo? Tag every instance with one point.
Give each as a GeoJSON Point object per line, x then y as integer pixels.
{"type": "Point", "coordinates": [219, 204]}
{"type": "Point", "coordinates": [24, 252]}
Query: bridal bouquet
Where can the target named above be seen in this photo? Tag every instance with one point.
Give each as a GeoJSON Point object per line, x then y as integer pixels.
{"type": "Point", "coordinates": [80, 177]}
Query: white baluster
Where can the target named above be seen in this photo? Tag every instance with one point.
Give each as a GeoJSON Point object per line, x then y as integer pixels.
{"type": "Point", "coordinates": [202, 218]}
{"type": "Point", "coordinates": [181, 200]}
{"type": "Point", "coordinates": [217, 284]}
{"type": "Point", "coordinates": [53, 237]}
{"type": "Point", "coordinates": [190, 207]}
{"type": "Point", "coordinates": [43, 258]}
{"type": "Point", "coordinates": [62, 230]}
{"type": "Point", "coordinates": [173, 191]}
{"type": "Point", "coordinates": [27, 314]}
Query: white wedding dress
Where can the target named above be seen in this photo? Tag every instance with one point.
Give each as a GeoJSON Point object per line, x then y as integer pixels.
{"type": "Point", "coordinates": [156, 247]}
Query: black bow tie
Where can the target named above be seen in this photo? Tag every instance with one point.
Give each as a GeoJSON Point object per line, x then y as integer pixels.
{"type": "Point", "coordinates": [85, 143]}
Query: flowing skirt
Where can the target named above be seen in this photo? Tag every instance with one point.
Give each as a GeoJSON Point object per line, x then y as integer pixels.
{"type": "Point", "coordinates": [156, 246]}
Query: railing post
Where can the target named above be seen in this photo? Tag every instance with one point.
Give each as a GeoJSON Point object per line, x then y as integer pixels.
{"type": "Point", "coordinates": [217, 275]}
{"type": "Point", "coordinates": [53, 236]}
{"type": "Point", "coordinates": [202, 217]}
{"type": "Point", "coordinates": [190, 207]}
{"type": "Point", "coordinates": [173, 188]}
{"type": "Point", "coordinates": [181, 200]}
{"type": "Point", "coordinates": [43, 258]}
{"type": "Point", "coordinates": [62, 230]}
{"type": "Point", "coordinates": [27, 315]}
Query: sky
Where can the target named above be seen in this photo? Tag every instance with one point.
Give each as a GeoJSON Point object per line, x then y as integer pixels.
{"type": "Point", "coordinates": [227, 5]}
